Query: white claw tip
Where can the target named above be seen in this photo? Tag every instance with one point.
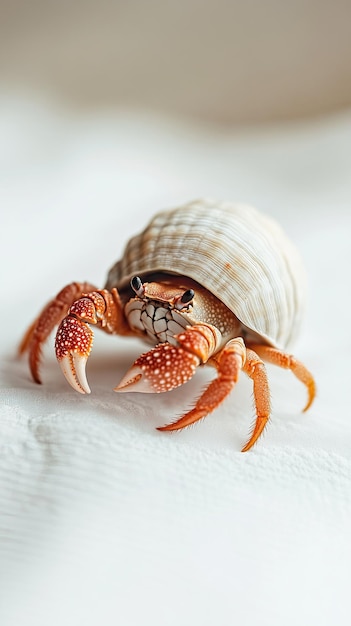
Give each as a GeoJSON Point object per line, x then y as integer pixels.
{"type": "Point", "coordinates": [73, 368]}
{"type": "Point", "coordinates": [134, 380]}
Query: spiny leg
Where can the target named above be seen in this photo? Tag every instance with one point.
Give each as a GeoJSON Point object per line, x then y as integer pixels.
{"type": "Point", "coordinates": [228, 362]}
{"type": "Point", "coordinates": [256, 370]}
{"type": "Point", "coordinates": [288, 361]}
{"type": "Point", "coordinates": [51, 315]}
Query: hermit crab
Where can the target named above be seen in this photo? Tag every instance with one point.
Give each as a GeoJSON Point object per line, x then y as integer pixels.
{"type": "Point", "coordinates": [205, 283]}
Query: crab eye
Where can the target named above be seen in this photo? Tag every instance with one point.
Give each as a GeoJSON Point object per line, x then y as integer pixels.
{"type": "Point", "coordinates": [187, 296]}
{"type": "Point", "coordinates": [185, 299]}
{"type": "Point", "coordinates": [137, 286]}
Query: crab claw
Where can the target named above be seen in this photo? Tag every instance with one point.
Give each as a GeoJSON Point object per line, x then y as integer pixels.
{"type": "Point", "coordinates": [73, 343]}
{"type": "Point", "coordinates": [163, 368]}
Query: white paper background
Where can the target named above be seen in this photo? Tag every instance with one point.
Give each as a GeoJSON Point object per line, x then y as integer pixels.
{"type": "Point", "coordinates": [104, 520]}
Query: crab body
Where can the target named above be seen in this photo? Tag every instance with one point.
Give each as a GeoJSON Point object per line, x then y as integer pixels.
{"type": "Point", "coordinates": [160, 315]}
{"type": "Point", "coordinates": [206, 283]}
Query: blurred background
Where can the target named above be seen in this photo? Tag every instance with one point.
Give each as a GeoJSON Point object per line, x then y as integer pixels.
{"type": "Point", "coordinates": [110, 110]}
{"type": "Point", "coordinates": [223, 61]}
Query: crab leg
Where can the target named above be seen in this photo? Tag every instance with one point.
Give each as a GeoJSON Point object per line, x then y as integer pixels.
{"type": "Point", "coordinates": [165, 367]}
{"type": "Point", "coordinates": [256, 370]}
{"type": "Point", "coordinates": [288, 361]}
{"type": "Point", "coordinates": [74, 337]}
{"type": "Point", "coordinates": [229, 362]}
{"type": "Point", "coordinates": [43, 325]}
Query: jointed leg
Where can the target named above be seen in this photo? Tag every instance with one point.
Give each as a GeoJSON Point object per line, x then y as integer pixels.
{"type": "Point", "coordinates": [228, 363]}
{"type": "Point", "coordinates": [255, 368]}
{"type": "Point", "coordinates": [288, 361]}
{"type": "Point", "coordinates": [50, 317]}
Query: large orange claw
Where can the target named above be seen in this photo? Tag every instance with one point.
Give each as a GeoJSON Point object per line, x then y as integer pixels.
{"type": "Point", "coordinates": [51, 315]}
{"type": "Point", "coordinates": [73, 343]}
{"type": "Point", "coordinates": [166, 366]}
{"type": "Point", "coordinates": [163, 368]}
{"type": "Point", "coordinates": [74, 338]}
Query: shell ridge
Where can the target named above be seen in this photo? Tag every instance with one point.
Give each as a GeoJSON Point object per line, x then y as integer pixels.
{"type": "Point", "coordinates": [243, 257]}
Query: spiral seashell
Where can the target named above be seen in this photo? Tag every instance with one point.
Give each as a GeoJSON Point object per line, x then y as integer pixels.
{"type": "Point", "coordinates": [240, 255]}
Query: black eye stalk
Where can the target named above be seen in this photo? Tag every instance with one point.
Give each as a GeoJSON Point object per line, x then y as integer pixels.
{"type": "Point", "coordinates": [137, 286]}
{"type": "Point", "coordinates": [187, 296]}
{"type": "Point", "coordinates": [185, 299]}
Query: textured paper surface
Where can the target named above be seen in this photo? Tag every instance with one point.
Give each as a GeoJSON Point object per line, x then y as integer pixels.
{"type": "Point", "coordinates": [103, 519]}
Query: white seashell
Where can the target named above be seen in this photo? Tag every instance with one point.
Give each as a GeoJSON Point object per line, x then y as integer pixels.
{"type": "Point", "coordinates": [240, 255]}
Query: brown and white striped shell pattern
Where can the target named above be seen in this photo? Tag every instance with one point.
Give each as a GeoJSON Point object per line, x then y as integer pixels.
{"type": "Point", "coordinates": [240, 255]}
